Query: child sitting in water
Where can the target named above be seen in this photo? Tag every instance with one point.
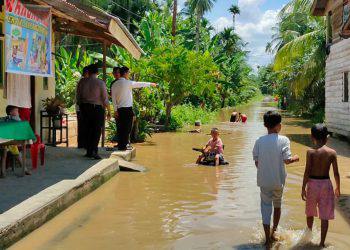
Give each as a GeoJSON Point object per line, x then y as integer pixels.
{"type": "Point", "coordinates": [317, 188]}
{"type": "Point", "coordinates": [271, 152]}
{"type": "Point", "coordinates": [213, 150]}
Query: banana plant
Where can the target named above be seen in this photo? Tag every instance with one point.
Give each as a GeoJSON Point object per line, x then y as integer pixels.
{"type": "Point", "coordinates": [69, 66]}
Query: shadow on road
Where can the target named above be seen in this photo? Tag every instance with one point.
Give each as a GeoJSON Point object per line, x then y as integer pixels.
{"type": "Point", "coordinates": [341, 146]}
{"type": "Point", "coordinates": [60, 164]}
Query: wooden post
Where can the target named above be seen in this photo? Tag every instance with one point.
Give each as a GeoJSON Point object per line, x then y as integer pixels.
{"type": "Point", "coordinates": [104, 69]}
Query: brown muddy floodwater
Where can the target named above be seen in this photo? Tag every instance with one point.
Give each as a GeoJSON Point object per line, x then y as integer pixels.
{"type": "Point", "coordinates": [177, 205]}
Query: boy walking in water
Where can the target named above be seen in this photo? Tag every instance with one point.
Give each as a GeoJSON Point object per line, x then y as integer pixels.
{"type": "Point", "coordinates": [317, 188]}
{"type": "Point", "coordinates": [271, 152]}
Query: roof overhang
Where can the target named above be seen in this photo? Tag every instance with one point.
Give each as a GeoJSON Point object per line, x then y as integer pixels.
{"type": "Point", "coordinates": [81, 20]}
{"type": "Point", "coordinates": [319, 7]}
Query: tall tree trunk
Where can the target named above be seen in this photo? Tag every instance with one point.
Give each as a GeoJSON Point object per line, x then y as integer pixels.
{"type": "Point", "coordinates": [128, 18]}
{"type": "Point", "coordinates": [234, 20]}
{"type": "Point", "coordinates": [169, 106]}
{"type": "Point", "coordinates": [199, 17]}
{"type": "Point", "coordinates": [173, 32]}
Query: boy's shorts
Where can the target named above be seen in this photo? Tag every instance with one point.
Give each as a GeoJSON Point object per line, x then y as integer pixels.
{"type": "Point", "coordinates": [320, 195]}
{"type": "Point", "coordinates": [272, 195]}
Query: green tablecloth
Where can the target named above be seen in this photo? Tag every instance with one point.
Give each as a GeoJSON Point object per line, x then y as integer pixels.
{"type": "Point", "coordinates": [16, 130]}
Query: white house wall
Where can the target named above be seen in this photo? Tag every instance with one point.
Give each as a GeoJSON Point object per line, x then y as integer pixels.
{"type": "Point", "coordinates": [337, 111]}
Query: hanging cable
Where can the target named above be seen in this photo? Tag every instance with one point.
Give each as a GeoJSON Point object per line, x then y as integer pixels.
{"type": "Point", "coordinates": [98, 7]}
{"type": "Point", "coordinates": [77, 45]}
{"type": "Point", "coordinates": [126, 9]}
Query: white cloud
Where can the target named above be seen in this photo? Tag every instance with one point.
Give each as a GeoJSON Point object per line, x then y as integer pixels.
{"type": "Point", "coordinates": [221, 23]}
{"type": "Point", "coordinates": [243, 3]}
{"type": "Point", "coordinates": [254, 26]}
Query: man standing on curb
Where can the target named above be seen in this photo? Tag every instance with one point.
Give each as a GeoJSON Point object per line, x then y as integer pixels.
{"type": "Point", "coordinates": [92, 99]}
{"type": "Point", "coordinates": [123, 101]}
{"type": "Point", "coordinates": [116, 75]}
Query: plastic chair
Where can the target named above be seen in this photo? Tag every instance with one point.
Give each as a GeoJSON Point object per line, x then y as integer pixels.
{"type": "Point", "coordinates": [34, 152]}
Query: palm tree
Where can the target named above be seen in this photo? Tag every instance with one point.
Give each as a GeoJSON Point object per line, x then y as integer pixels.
{"type": "Point", "coordinates": [299, 43]}
{"type": "Point", "coordinates": [234, 10]}
{"type": "Point", "coordinates": [199, 8]}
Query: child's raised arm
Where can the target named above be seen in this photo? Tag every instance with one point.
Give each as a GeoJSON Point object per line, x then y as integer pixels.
{"type": "Point", "coordinates": [293, 159]}
{"type": "Point", "coordinates": [336, 175]}
{"type": "Point", "coordinates": [306, 175]}
{"type": "Point", "coordinates": [287, 154]}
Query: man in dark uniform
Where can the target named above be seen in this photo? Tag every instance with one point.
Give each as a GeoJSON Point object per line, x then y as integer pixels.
{"type": "Point", "coordinates": [81, 126]}
{"type": "Point", "coordinates": [92, 98]}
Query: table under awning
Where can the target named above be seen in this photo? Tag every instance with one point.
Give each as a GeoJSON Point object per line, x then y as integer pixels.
{"type": "Point", "coordinates": [72, 17]}
{"type": "Point", "coordinates": [14, 133]}
{"type": "Point", "coordinates": [13, 130]}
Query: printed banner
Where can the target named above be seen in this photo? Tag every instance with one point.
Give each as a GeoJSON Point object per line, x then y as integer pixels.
{"type": "Point", "coordinates": [28, 39]}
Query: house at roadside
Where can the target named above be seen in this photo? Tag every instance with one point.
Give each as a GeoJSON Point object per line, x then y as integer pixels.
{"type": "Point", "coordinates": [28, 29]}
{"type": "Point", "coordinates": [338, 63]}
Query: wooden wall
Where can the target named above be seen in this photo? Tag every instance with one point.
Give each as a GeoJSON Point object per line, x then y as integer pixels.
{"type": "Point", "coordinates": [337, 22]}
{"type": "Point", "coordinates": [337, 111]}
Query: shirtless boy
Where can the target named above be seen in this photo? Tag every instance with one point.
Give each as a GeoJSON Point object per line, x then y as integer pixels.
{"type": "Point", "coordinates": [317, 188]}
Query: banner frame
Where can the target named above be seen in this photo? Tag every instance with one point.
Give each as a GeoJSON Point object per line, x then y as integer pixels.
{"type": "Point", "coordinates": [6, 70]}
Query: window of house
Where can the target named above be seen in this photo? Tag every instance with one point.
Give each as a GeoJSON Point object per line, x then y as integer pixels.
{"type": "Point", "coordinates": [346, 87]}
{"type": "Point", "coordinates": [346, 12]}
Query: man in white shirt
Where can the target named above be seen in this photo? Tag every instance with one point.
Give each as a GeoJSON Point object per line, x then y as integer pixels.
{"type": "Point", "coordinates": [123, 101]}
{"type": "Point", "coordinates": [271, 152]}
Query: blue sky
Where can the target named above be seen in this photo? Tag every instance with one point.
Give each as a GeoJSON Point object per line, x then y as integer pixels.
{"type": "Point", "coordinates": [253, 25]}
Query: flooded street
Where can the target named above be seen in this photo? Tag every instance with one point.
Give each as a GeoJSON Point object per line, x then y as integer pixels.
{"type": "Point", "coordinates": [178, 205]}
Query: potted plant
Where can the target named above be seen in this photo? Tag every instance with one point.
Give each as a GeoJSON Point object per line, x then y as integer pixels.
{"type": "Point", "coordinates": [54, 107]}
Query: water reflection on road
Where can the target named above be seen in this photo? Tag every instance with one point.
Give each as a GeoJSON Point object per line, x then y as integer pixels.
{"type": "Point", "coordinates": [177, 205]}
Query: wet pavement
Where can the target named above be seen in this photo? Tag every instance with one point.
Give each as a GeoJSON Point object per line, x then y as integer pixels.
{"type": "Point", "coordinates": [60, 164]}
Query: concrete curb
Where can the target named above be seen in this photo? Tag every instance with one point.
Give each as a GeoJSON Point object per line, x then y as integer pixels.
{"type": "Point", "coordinates": [127, 155]}
{"type": "Point", "coordinates": [35, 211]}
{"type": "Point", "coordinates": [131, 167]}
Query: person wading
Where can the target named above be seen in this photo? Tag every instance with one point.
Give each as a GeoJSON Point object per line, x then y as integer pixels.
{"type": "Point", "coordinates": [123, 101]}
{"type": "Point", "coordinates": [92, 99]}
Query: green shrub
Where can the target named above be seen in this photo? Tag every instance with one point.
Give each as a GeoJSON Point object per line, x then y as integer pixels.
{"type": "Point", "coordinates": [111, 131]}
{"type": "Point", "coordinates": [187, 114]}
